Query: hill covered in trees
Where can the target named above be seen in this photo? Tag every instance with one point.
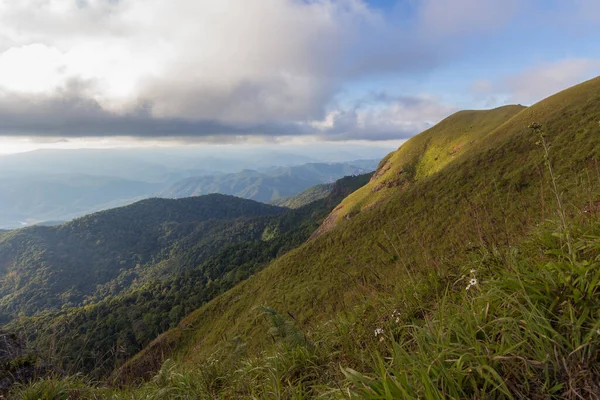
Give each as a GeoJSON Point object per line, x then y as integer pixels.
{"type": "Point", "coordinates": [161, 260]}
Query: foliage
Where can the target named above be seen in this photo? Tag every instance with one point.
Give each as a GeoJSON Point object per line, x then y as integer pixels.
{"type": "Point", "coordinates": [128, 312]}
{"type": "Point", "coordinates": [308, 196]}
{"type": "Point", "coordinates": [53, 267]}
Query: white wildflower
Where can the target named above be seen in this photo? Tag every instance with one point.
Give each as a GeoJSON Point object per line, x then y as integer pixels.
{"type": "Point", "coordinates": [378, 332]}
{"type": "Point", "coordinates": [472, 282]}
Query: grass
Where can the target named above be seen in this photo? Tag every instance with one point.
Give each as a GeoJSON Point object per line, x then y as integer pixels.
{"type": "Point", "coordinates": [529, 328]}
{"type": "Point", "coordinates": [428, 153]}
{"type": "Point", "coordinates": [493, 197]}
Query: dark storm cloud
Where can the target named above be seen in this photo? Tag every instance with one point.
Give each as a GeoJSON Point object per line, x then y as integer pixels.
{"type": "Point", "coordinates": [74, 116]}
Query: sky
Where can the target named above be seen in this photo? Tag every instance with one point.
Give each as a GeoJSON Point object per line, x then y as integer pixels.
{"type": "Point", "coordinates": [114, 73]}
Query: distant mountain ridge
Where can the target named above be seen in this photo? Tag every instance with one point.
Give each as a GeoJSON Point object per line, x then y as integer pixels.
{"type": "Point", "coordinates": [311, 194]}
{"type": "Point", "coordinates": [272, 184]}
{"type": "Point", "coordinates": [30, 199]}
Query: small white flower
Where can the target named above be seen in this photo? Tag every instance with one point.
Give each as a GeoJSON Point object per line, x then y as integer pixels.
{"type": "Point", "coordinates": [472, 282]}
{"type": "Point", "coordinates": [378, 331]}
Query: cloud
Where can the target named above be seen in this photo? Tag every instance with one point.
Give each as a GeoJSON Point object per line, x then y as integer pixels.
{"type": "Point", "coordinates": [441, 17]}
{"type": "Point", "coordinates": [152, 68]}
{"type": "Point", "coordinates": [546, 79]}
{"type": "Point", "coordinates": [69, 113]}
{"type": "Point", "coordinates": [231, 61]}
{"type": "Point", "coordinates": [193, 67]}
{"type": "Point", "coordinates": [537, 82]}
{"type": "Point", "coordinates": [380, 116]}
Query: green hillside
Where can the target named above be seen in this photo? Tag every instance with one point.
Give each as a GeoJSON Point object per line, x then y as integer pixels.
{"type": "Point", "coordinates": [423, 155]}
{"type": "Point", "coordinates": [52, 267]}
{"type": "Point", "coordinates": [311, 194]}
{"type": "Point", "coordinates": [322, 191]}
{"type": "Point", "coordinates": [467, 268]}
{"type": "Point", "coordinates": [487, 198]}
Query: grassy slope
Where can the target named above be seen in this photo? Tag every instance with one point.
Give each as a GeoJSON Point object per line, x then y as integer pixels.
{"type": "Point", "coordinates": [308, 196]}
{"type": "Point", "coordinates": [490, 195]}
{"type": "Point", "coordinates": [426, 154]}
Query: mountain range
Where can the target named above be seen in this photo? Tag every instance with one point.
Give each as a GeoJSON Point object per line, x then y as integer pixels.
{"type": "Point", "coordinates": [272, 184]}
{"type": "Point", "coordinates": [27, 199]}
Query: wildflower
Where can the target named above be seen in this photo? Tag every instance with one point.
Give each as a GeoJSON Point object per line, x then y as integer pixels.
{"type": "Point", "coordinates": [472, 282]}
{"type": "Point", "coordinates": [378, 331]}
{"type": "Point", "coordinates": [396, 316]}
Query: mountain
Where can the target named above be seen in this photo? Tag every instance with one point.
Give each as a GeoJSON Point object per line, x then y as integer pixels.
{"type": "Point", "coordinates": [30, 199]}
{"type": "Point", "coordinates": [311, 194]}
{"type": "Point", "coordinates": [270, 184]}
{"type": "Point", "coordinates": [466, 268]}
{"type": "Point", "coordinates": [52, 267]}
{"type": "Point", "coordinates": [41, 186]}
{"type": "Point", "coordinates": [459, 196]}
{"type": "Point", "coordinates": [169, 164]}
{"type": "Point", "coordinates": [186, 260]}
{"type": "Point", "coordinates": [19, 364]}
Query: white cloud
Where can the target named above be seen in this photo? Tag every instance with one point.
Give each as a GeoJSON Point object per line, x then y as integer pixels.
{"type": "Point", "coordinates": [543, 80]}
{"type": "Point", "coordinates": [384, 117]}
{"type": "Point", "coordinates": [239, 67]}
{"type": "Point", "coordinates": [537, 82]}
{"type": "Point", "coordinates": [234, 61]}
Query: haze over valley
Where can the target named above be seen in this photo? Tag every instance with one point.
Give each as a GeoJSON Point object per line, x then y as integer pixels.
{"type": "Point", "coordinates": [54, 186]}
